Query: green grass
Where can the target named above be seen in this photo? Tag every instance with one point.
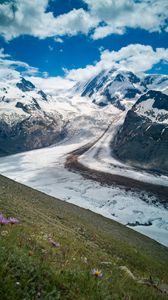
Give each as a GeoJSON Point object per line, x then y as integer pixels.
{"type": "Point", "coordinates": [30, 268]}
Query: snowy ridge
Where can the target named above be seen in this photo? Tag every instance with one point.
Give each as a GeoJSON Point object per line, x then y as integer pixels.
{"type": "Point", "coordinates": [119, 87]}
{"type": "Point", "coordinates": [153, 105]}
{"type": "Point", "coordinates": [156, 115]}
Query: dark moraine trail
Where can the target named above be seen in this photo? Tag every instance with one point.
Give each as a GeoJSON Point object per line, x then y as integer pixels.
{"type": "Point", "coordinates": [72, 164]}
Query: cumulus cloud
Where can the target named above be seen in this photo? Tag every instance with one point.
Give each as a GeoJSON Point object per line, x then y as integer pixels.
{"type": "Point", "coordinates": [21, 17]}
{"type": "Point", "coordinates": [83, 74]}
{"type": "Point", "coordinates": [52, 85]}
{"type": "Point", "coordinates": [103, 31]}
{"type": "Point", "coordinates": [117, 15]}
{"type": "Point", "coordinates": [134, 57]}
{"type": "Point", "coordinates": [103, 17]}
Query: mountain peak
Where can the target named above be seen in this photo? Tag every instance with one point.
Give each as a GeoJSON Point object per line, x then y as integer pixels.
{"type": "Point", "coordinates": [25, 85]}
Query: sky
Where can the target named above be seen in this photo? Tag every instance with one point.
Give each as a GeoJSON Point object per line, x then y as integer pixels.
{"type": "Point", "coordinates": [74, 39]}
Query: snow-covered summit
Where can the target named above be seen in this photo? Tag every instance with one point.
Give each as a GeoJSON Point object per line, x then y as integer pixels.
{"type": "Point", "coordinates": [120, 87]}
{"type": "Point", "coordinates": [12, 91]}
{"type": "Point", "coordinates": [26, 109]}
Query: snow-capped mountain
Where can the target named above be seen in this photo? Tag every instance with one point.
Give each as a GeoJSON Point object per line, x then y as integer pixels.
{"type": "Point", "coordinates": [156, 82]}
{"type": "Point", "coordinates": [29, 118]}
{"type": "Point", "coordinates": [120, 87]}
{"type": "Point", "coordinates": [26, 119]}
{"type": "Point", "coordinates": [143, 139]}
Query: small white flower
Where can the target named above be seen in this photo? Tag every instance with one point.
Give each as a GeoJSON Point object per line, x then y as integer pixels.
{"type": "Point", "coordinates": [97, 273]}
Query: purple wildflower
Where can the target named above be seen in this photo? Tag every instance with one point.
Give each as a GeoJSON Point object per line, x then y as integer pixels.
{"type": "Point", "coordinates": [3, 220]}
{"type": "Point", "coordinates": [13, 220]}
{"type": "Point", "coordinates": [54, 244]}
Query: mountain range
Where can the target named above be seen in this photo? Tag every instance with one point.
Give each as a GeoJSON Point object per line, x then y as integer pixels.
{"type": "Point", "coordinates": [120, 87]}
{"type": "Point", "coordinates": [30, 118]}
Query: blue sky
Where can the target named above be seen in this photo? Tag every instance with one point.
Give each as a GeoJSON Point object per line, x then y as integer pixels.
{"type": "Point", "coordinates": [76, 33]}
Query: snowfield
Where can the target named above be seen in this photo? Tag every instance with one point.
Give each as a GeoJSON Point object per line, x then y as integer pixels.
{"type": "Point", "coordinates": [44, 170]}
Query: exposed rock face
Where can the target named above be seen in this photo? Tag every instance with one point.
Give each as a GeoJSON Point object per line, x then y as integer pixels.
{"type": "Point", "coordinates": [29, 120]}
{"type": "Point", "coordinates": [25, 85]}
{"type": "Point", "coordinates": [30, 133]}
{"type": "Point", "coordinates": [26, 121]}
{"type": "Point", "coordinates": [143, 139]}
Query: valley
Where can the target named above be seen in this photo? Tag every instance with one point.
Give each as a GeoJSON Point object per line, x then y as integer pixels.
{"type": "Point", "coordinates": [83, 150]}
{"type": "Point", "coordinates": [81, 168]}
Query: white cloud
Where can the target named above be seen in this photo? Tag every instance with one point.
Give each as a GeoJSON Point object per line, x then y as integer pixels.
{"type": "Point", "coordinates": [134, 57]}
{"type": "Point", "coordinates": [104, 17]}
{"type": "Point", "coordinates": [29, 17]}
{"type": "Point", "coordinates": [58, 40]}
{"type": "Point", "coordinates": [52, 85]}
{"type": "Point", "coordinates": [2, 54]}
{"type": "Point", "coordinates": [83, 74]}
{"type": "Point", "coordinates": [9, 67]}
{"type": "Point", "coordinates": [9, 71]}
{"type": "Point", "coordinates": [74, 22]}
{"type": "Point", "coordinates": [103, 31]}
{"type": "Point", "coordinates": [117, 15]}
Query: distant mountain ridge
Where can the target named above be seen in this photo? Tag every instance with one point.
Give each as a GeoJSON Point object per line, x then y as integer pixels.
{"type": "Point", "coordinates": [29, 118]}
{"type": "Point", "coordinates": [118, 87]}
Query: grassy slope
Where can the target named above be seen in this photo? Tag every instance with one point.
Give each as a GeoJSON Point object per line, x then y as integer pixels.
{"type": "Point", "coordinates": [30, 268]}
